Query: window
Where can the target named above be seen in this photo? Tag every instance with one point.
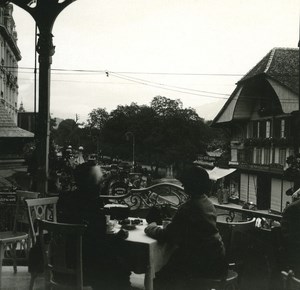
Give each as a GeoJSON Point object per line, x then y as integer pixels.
{"type": "Point", "coordinates": [282, 156]}
{"type": "Point", "coordinates": [234, 154]}
{"type": "Point", "coordinates": [258, 129]}
{"type": "Point", "coordinates": [249, 155]}
{"type": "Point", "coordinates": [258, 155]}
{"type": "Point", "coordinates": [241, 155]}
{"type": "Point", "coordinates": [262, 129]}
{"type": "Point", "coordinates": [282, 128]}
{"type": "Point", "coordinates": [267, 156]}
{"type": "Point", "coordinates": [255, 129]}
{"type": "Point", "coordinates": [250, 130]}
{"type": "Point", "coordinates": [268, 129]}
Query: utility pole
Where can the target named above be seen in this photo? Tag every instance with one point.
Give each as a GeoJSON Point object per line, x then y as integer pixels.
{"type": "Point", "coordinates": [44, 12]}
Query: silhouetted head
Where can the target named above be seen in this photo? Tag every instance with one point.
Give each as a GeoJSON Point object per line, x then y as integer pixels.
{"type": "Point", "coordinates": [195, 180]}
{"type": "Point", "coordinates": [88, 177]}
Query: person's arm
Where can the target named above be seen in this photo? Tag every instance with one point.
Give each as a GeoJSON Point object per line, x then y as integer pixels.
{"type": "Point", "coordinates": [173, 231]}
{"type": "Point", "coordinates": [121, 234]}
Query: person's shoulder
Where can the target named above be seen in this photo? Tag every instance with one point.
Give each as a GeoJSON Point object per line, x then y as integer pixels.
{"type": "Point", "coordinates": [204, 200]}
{"type": "Point", "coordinates": [296, 203]}
{"type": "Point", "coordinates": [292, 208]}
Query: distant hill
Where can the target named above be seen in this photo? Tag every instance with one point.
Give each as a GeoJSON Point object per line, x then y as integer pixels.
{"type": "Point", "coordinates": [210, 110]}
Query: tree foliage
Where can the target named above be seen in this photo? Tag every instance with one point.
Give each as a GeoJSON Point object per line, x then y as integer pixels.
{"type": "Point", "coordinates": [97, 118]}
{"type": "Point", "coordinates": [67, 132]}
{"type": "Point", "coordinates": [165, 132]}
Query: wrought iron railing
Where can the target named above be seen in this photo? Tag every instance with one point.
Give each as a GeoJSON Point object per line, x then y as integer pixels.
{"type": "Point", "coordinates": [155, 195]}
{"type": "Point", "coordinates": [233, 211]}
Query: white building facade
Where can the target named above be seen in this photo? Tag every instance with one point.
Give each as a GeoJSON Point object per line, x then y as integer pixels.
{"type": "Point", "coordinates": [9, 57]}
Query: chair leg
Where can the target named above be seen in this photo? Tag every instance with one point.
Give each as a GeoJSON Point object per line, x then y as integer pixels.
{"type": "Point", "coordinates": [14, 256]}
{"type": "Point", "coordinates": [47, 285]}
{"type": "Point", "coordinates": [1, 260]}
{"type": "Point", "coordinates": [32, 279]}
{"type": "Point", "coordinates": [232, 286]}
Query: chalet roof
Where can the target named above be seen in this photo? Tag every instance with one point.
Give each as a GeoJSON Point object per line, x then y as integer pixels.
{"type": "Point", "coordinates": [280, 64]}
{"type": "Point", "coordinates": [8, 128]}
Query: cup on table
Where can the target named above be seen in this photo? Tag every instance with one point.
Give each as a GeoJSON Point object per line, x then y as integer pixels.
{"type": "Point", "coordinates": [111, 225]}
{"type": "Point", "coordinates": [165, 223]}
{"type": "Point", "coordinates": [107, 217]}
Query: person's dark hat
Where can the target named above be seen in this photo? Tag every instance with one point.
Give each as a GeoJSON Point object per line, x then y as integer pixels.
{"type": "Point", "coordinates": [82, 172]}
{"type": "Point", "coordinates": [195, 180]}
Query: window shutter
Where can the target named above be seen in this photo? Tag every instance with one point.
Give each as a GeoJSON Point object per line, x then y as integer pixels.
{"type": "Point", "coordinates": [244, 187]}
{"type": "Point", "coordinates": [276, 194]}
{"type": "Point", "coordinates": [252, 191]}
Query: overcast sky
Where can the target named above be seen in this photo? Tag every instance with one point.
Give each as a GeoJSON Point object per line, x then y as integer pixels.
{"type": "Point", "coordinates": [136, 38]}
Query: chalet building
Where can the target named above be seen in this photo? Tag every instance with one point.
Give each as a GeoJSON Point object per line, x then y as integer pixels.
{"type": "Point", "coordinates": [259, 115]}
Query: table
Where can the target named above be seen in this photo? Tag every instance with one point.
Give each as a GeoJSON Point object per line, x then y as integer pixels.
{"type": "Point", "coordinates": [145, 254]}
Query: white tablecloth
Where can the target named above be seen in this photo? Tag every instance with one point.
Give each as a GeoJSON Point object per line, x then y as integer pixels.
{"type": "Point", "coordinates": [146, 255]}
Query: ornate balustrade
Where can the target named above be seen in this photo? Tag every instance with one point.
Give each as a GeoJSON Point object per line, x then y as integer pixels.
{"type": "Point", "coordinates": [155, 195]}
{"type": "Point", "coordinates": [232, 210]}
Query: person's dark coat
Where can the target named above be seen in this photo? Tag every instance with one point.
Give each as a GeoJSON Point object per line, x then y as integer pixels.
{"type": "Point", "coordinates": [200, 251]}
{"type": "Point", "coordinates": [103, 265]}
{"type": "Point", "coordinates": [290, 226]}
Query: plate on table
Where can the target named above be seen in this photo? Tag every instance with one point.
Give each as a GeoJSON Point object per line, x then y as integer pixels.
{"type": "Point", "coordinates": [125, 222]}
{"type": "Point", "coordinates": [129, 227]}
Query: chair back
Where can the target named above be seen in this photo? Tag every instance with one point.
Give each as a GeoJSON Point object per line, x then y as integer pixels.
{"type": "Point", "coordinates": [290, 282]}
{"type": "Point", "coordinates": [40, 208]}
{"type": "Point", "coordinates": [63, 256]}
{"type": "Point", "coordinates": [21, 217]}
{"type": "Point", "coordinates": [236, 236]}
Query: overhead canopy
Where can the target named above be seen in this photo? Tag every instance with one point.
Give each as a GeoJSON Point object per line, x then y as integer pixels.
{"type": "Point", "coordinates": [218, 173]}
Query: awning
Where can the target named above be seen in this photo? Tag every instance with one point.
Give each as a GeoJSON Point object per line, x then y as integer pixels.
{"type": "Point", "coordinates": [218, 173]}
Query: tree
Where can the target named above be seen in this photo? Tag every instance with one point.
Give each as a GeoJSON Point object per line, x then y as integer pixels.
{"type": "Point", "coordinates": [97, 118]}
{"type": "Point", "coordinates": [68, 132]}
{"type": "Point", "coordinates": [165, 132]}
{"type": "Point", "coordinates": [164, 106]}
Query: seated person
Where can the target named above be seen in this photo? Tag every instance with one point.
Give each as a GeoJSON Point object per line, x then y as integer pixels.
{"type": "Point", "coordinates": [103, 266]}
{"type": "Point", "coordinates": [290, 227]}
{"type": "Point", "coordinates": [199, 248]}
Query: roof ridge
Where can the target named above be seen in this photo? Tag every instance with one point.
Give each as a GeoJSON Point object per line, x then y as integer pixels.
{"type": "Point", "coordinates": [286, 48]}
{"type": "Point", "coordinates": [246, 74]}
{"type": "Point", "coordinates": [270, 60]}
